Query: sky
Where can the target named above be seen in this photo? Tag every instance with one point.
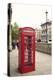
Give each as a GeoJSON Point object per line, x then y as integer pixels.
{"type": "Point", "coordinates": [30, 15]}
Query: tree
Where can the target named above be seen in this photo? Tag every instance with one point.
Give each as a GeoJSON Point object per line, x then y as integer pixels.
{"type": "Point", "coordinates": [15, 31]}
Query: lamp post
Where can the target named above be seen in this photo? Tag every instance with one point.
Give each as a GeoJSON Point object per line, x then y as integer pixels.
{"type": "Point", "coordinates": [46, 25]}
{"type": "Point", "coordinates": [9, 38]}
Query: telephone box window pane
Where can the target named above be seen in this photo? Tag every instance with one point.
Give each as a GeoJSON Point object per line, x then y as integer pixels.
{"type": "Point", "coordinates": [28, 50]}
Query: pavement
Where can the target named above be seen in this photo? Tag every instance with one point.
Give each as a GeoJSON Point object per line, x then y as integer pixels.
{"type": "Point", "coordinates": [43, 64]}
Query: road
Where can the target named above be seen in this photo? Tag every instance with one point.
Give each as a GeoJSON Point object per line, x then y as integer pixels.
{"type": "Point", "coordinates": [43, 64]}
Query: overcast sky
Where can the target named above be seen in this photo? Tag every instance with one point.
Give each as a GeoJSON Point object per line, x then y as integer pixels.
{"type": "Point", "coordinates": [29, 15]}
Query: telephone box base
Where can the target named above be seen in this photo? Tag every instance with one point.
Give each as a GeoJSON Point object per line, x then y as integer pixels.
{"type": "Point", "coordinates": [25, 71]}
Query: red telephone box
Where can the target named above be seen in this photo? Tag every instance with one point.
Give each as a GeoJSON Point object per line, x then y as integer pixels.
{"type": "Point", "coordinates": [26, 50]}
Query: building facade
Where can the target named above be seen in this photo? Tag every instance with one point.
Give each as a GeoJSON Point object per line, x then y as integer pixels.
{"type": "Point", "coordinates": [38, 34]}
{"type": "Point", "coordinates": [44, 34]}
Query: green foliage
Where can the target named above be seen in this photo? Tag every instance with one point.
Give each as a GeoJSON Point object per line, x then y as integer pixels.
{"type": "Point", "coordinates": [15, 31]}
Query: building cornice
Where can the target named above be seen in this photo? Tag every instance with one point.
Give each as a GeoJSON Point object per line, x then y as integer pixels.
{"type": "Point", "coordinates": [48, 23]}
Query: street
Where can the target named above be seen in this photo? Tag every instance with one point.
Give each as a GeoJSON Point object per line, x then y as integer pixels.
{"type": "Point", "coordinates": [43, 64]}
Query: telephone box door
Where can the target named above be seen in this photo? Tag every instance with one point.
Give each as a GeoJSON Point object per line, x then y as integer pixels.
{"type": "Point", "coordinates": [28, 51]}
